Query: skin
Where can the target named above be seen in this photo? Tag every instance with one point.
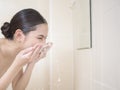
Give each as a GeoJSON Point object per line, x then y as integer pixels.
{"type": "Point", "coordinates": [22, 50]}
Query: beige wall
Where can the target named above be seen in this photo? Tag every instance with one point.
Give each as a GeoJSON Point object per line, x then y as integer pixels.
{"type": "Point", "coordinates": [99, 68]}
{"type": "Point", "coordinates": [62, 53]}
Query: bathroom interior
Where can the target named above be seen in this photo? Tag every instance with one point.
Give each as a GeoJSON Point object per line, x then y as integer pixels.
{"type": "Point", "coordinates": [85, 35]}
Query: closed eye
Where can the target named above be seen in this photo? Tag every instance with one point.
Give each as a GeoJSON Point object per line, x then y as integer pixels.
{"type": "Point", "coordinates": [40, 38]}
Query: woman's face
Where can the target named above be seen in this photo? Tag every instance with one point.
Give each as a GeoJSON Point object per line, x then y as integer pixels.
{"type": "Point", "coordinates": [37, 36]}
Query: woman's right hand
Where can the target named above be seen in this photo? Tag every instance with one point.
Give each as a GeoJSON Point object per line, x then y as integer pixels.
{"type": "Point", "coordinates": [24, 56]}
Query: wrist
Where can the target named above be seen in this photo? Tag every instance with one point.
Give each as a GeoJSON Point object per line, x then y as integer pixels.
{"type": "Point", "coordinates": [16, 65]}
{"type": "Point", "coordinates": [32, 64]}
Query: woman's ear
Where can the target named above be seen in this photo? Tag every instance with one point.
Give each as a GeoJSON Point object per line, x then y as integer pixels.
{"type": "Point", "coordinates": [19, 35]}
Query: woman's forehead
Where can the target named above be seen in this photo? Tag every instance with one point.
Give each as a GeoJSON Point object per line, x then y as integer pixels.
{"type": "Point", "coordinates": [41, 30]}
{"type": "Point", "coordinates": [42, 27]}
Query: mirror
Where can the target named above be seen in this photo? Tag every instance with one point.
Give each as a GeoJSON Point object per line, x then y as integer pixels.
{"type": "Point", "coordinates": [82, 24]}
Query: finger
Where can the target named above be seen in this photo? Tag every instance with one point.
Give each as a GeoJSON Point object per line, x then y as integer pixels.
{"type": "Point", "coordinates": [36, 51]}
{"type": "Point", "coordinates": [28, 55]}
{"type": "Point", "coordinates": [27, 50]}
{"type": "Point", "coordinates": [42, 55]}
{"type": "Point", "coordinates": [46, 48]}
{"type": "Point", "coordinates": [43, 52]}
{"type": "Point", "coordinates": [36, 45]}
{"type": "Point", "coordinates": [50, 44]}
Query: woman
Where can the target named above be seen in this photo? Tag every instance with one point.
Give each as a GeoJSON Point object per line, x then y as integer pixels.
{"type": "Point", "coordinates": [24, 44]}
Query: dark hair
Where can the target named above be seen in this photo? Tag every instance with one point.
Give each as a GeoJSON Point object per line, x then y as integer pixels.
{"type": "Point", "coordinates": [26, 20]}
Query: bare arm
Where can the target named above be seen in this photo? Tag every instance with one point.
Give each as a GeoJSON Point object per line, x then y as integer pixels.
{"type": "Point", "coordinates": [7, 78]}
{"type": "Point", "coordinates": [22, 79]}
{"type": "Point", "coordinates": [17, 77]}
{"type": "Point", "coordinates": [21, 59]}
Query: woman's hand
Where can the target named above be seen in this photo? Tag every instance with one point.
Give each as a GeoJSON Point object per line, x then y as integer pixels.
{"type": "Point", "coordinates": [23, 56]}
{"type": "Point", "coordinates": [21, 80]}
{"type": "Point", "coordinates": [32, 54]}
{"type": "Point", "coordinates": [40, 52]}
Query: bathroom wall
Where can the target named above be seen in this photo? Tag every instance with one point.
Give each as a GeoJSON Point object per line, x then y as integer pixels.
{"type": "Point", "coordinates": [98, 68]}
{"type": "Point", "coordinates": [62, 51]}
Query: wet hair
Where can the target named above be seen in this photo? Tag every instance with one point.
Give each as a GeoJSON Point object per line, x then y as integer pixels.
{"type": "Point", "coordinates": [26, 20]}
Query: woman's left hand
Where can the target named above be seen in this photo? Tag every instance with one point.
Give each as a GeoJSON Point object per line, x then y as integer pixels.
{"type": "Point", "coordinates": [40, 52]}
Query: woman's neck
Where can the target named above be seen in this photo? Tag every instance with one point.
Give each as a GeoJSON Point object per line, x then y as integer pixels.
{"type": "Point", "coordinates": [9, 48]}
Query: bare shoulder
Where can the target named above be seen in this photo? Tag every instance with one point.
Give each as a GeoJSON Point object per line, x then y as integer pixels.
{"type": "Point", "coordinates": [1, 48]}
{"type": "Point", "coordinates": [2, 41]}
{"type": "Point", "coordinates": [2, 44]}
